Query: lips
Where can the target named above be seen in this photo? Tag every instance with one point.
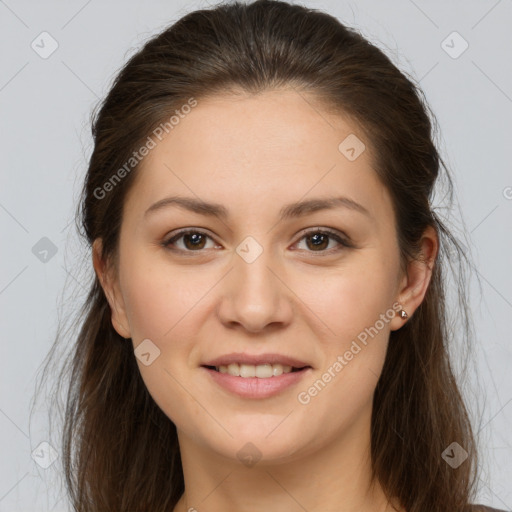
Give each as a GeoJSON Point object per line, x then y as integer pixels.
{"type": "Point", "coordinates": [256, 359]}
{"type": "Point", "coordinates": [256, 387]}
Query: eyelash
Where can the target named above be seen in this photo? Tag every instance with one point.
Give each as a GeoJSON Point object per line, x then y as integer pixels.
{"type": "Point", "coordinates": [317, 231]}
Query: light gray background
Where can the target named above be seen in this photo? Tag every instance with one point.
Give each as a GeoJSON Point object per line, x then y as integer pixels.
{"type": "Point", "coordinates": [45, 107]}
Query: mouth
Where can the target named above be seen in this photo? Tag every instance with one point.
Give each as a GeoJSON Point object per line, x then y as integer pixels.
{"type": "Point", "coordinates": [261, 371]}
{"type": "Point", "coordinates": [255, 381]}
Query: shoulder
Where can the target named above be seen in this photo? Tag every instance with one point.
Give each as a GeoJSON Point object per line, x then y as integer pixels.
{"type": "Point", "coordinates": [482, 508]}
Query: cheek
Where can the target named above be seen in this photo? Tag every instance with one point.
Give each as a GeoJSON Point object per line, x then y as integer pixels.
{"type": "Point", "coordinates": [351, 299]}
{"type": "Point", "coordinates": [159, 301]}
{"type": "Point", "coordinates": [356, 305]}
{"type": "Point", "coordinates": [163, 306]}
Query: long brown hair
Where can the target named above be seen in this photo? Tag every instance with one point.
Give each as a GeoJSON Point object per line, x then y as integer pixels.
{"type": "Point", "coordinates": [120, 451]}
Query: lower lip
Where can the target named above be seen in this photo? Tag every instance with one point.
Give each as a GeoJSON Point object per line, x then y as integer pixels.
{"type": "Point", "coordinates": [254, 387]}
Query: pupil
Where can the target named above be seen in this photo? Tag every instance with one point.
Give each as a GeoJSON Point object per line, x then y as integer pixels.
{"type": "Point", "coordinates": [316, 239]}
{"type": "Point", "coordinates": [195, 237]}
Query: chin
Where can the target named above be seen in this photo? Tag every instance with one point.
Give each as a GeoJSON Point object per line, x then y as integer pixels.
{"type": "Point", "coordinates": [256, 444]}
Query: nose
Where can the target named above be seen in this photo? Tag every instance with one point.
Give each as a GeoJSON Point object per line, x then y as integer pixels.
{"type": "Point", "coordinates": [255, 296]}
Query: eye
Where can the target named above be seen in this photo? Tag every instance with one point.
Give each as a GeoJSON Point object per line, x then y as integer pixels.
{"type": "Point", "coordinates": [193, 240]}
{"type": "Point", "coordinates": [320, 240]}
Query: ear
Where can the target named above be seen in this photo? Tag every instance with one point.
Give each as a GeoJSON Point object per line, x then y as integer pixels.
{"type": "Point", "coordinates": [112, 291]}
{"type": "Point", "coordinates": [415, 282]}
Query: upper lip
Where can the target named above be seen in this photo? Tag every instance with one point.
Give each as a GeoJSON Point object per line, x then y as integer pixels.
{"type": "Point", "coordinates": [255, 359]}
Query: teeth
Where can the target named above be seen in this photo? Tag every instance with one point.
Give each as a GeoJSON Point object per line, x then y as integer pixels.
{"type": "Point", "coordinates": [262, 371]}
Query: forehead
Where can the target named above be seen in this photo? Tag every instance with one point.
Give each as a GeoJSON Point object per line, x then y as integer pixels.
{"type": "Point", "coordinates": [276, 147]}
{"type": "Point", "coordinates": [269, 127]}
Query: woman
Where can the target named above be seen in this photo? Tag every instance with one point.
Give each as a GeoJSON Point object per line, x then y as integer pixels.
{"type": "Point", "coordinates": [266, 329]}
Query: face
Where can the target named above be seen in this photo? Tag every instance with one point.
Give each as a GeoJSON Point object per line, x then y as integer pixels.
{"type": "Point", "coordinates": [259, 276]}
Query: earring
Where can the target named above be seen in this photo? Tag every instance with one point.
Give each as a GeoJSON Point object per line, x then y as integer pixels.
{"type": "Point", "coordinates": [403, 314]}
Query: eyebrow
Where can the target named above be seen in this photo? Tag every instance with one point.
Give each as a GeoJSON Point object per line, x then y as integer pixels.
{"type": "Point", "coordinates": [289, 211]}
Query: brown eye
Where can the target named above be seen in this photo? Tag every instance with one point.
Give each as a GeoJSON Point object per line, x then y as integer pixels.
{"type": "Point", "coordinates": [192, 241]}
{"type": "Point", "coordinates": [319, 240]}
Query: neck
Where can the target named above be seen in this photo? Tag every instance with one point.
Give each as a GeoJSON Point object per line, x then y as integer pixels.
{"type": "Point", "coordinates": [336, 477]}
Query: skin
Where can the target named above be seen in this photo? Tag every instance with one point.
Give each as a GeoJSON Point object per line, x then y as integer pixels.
{"type": "Point", "coordinates": [253, 155]}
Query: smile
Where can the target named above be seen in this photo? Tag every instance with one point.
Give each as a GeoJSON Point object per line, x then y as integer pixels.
{"type": "Point", "coordinates": [256, 382]}
{"type": "Point", "coordinates": [261, 371]}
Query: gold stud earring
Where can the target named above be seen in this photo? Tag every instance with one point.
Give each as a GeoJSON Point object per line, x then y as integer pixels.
{"type": "Point", "coordinates": [403, 314]}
